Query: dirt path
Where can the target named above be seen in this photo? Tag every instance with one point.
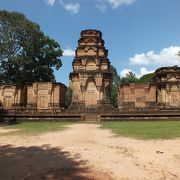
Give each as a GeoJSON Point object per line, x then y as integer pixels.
{"type": "Point", "coordinates": [85, 150]}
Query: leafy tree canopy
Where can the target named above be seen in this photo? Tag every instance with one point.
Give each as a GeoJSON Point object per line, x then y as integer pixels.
{"type": "Point", "coordinates": [115, 85]}
{"type": "Point", "coordinates": [129, 78]}
{"type": "Point", "coordinates": [26, 54]}
{"type": "Point", "coordinates": [68, 97]}
{"type": "Point", "coordinates": [147, 78]}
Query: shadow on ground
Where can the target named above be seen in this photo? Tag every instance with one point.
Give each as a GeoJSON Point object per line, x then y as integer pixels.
{"type": "Point", "coordinates": [4, 124]}
{"type": "Point", "coordinates": [36, 163]}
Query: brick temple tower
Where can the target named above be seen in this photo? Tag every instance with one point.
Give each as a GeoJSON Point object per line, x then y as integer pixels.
{"type": "Point", "coordinates": [91, 79]}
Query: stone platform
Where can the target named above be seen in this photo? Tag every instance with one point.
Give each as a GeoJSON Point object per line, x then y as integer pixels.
{"type": "Point", "coordinates": [92, 116]}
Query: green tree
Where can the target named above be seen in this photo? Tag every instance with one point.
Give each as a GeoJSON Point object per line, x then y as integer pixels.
{"type": "Point", "coordinates": [117, 81]}
{"type": "Point", "coordinates": [68, 97]}
{"type": "Point", "coordinates": [147, 78]}
{"type": "Point", "coordinates": [26, 54]}
{"type": "Point", "coordinates": [129, 78]}
{"type": "Point", "coordinates": [115, 85]}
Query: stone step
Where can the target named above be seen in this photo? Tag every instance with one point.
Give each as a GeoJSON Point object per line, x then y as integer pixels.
{"type": "Point", "coordinates": [92, 118]}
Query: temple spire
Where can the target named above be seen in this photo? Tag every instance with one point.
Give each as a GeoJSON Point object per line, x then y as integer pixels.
{"type": "Point", "coordinates": [91, 79]}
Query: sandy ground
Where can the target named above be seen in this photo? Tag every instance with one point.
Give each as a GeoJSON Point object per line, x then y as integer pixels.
{"type": "Point", "coordinates": [3, 130]}
{"type": "Point", "coordinates": [84, 151]}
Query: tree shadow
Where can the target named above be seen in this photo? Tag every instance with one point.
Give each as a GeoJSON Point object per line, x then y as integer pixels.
{"type": "Point", "coordinates": [4, 119]}
{"type": "Point", "coordinates": [6, 124]}
{"type": "Point", "coordinates": [36, 163]}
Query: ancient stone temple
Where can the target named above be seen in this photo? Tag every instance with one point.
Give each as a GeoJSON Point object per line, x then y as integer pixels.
{"type": "Point", "coordinates": [168, 86]}
{"type": "Point", "coordinates": [91, 79]}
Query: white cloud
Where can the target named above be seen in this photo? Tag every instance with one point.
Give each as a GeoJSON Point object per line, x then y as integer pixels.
{"type": "Point", "coordinates": [71, 7]}
{"type": "Point", "coordinates": [116, 3]}
{"type": "Point", "coordinates": [101, 7]}
{"type": "Point", "coordinates": [50, 2]}
{"type": "Point", "coordinates": [68, 52]}
{"type": "Point", "coordinates": [101, 4]}
{"type": "Point", "coordinates": [142, 72]}
{"type": "Point", "coordinates": [166, 57]}
{"type": "Point", "coordinates": [124, 72]}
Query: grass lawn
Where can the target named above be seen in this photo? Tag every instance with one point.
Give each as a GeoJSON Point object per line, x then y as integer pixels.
{"type": "Point", "coordinates": [145, 130]}
{"type": "Point", "coordinates": [35, 128]}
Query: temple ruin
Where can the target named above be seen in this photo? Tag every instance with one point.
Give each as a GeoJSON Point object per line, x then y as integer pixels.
{"type": "Point", "coordinates": [164, 93]}
{"type": "Point", "coordinates": [33, 97]}
{"type": "Point", "coordinates": [168, 86]}
{"type": "Point", "coordinates": [91, 78]}
{"type": "Point", "coordinates": [91, 85]}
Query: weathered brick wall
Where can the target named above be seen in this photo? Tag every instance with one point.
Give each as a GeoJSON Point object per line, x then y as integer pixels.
{"type": "Point", "coordinates": [136, 96]}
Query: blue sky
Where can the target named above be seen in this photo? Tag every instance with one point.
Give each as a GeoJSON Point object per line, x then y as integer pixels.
{"type": "Point", "coordinates": [141, 35]}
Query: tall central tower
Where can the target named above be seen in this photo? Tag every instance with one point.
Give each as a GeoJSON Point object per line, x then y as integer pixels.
{"type": "Point", "coordinates": [91, 79]}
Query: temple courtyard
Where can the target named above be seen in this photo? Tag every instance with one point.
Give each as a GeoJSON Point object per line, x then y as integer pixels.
{"type": "Point", "coordinates": [89, 151]}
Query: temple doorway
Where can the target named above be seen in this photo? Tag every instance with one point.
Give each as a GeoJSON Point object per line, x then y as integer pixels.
{"type": "Point", "coordinates": [91, 94]}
